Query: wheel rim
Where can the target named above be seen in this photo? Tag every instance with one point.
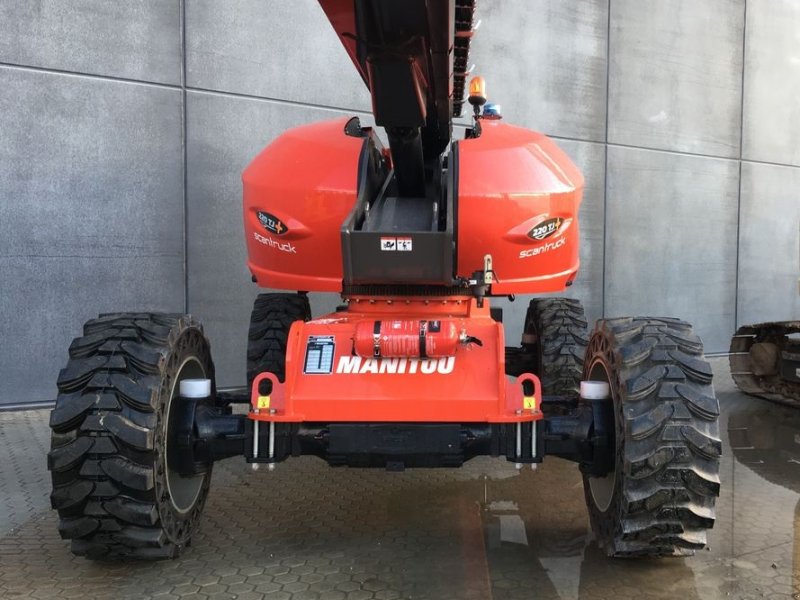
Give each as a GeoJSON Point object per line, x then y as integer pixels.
{"type": "Point", "coordinates": [183, 491]}
{"type": "Point", "coordinates": [602, 488]}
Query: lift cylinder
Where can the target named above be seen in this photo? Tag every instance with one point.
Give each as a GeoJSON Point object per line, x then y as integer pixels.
{"type": "Point", "coordinates": [406, 339]}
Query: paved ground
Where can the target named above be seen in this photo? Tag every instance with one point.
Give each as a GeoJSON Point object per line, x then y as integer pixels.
{"type": "Point", "coordinates": [306, 531]}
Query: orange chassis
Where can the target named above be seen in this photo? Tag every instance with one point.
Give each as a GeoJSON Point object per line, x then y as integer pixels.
{"type": "Point", "coordinates": [469, 387]}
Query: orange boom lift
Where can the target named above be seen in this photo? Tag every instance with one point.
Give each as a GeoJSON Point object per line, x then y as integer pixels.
{"type": "Point", "coordinates": [413, 369]}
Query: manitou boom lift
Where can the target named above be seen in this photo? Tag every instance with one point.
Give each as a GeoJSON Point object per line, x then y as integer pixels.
{"type": "Point", "coordinates": [413, 369]}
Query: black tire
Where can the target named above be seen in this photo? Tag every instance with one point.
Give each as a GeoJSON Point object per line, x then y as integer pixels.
{"type": "Point", "coordinates": [272, 316]}
{"type": "Point", "coordinates": [659, 499]}
{"type": "Point", "coordinates": [557, 330]}
{"type": "Point", "coordinates": [115, 495]}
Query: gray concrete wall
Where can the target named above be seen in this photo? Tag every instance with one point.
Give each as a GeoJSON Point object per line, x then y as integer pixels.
{"type": "Point", "coordinates": [124, 127]}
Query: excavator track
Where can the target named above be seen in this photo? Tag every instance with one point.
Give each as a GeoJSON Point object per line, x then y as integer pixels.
{"type": "Point", "coordinates": [765, 361]}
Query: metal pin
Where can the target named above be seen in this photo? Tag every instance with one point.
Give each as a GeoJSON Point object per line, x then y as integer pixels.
{"type": "Point", "coordinates": [272, 411]}
{"type": "Point", "coordinates": [255, 441]}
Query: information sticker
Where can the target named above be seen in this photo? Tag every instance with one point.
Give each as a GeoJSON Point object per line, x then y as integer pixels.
{"type": "Point", "coordinates": [319, 355]}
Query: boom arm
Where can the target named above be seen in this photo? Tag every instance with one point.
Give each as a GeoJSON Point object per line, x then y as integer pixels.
{"type": "Point", "coordinates": [412, 55]}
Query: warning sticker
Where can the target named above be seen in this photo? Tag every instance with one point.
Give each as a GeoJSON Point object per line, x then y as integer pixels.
{"type": "Point", "coordinates": [388, 244]}
{"type": "Point", "coordinates": [529, 402]}
{"type": "Point", "coordinates": [319, 355]}
{"type": "Point", "coordinates": [404, 244]}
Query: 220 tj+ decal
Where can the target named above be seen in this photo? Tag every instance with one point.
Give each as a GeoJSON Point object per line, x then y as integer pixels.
{"type": "Point", "coordinates": [272, 223]}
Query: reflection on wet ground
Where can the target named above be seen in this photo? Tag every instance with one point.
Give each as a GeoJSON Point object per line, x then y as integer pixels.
{"type": "Point", "coordinates": [486, 531]}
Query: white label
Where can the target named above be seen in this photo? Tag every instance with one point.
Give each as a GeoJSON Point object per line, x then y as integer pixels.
{"type": "Point", "coordinates": [272, 243]}
{"type": "Point", "coordinates": [388, 244]}
{"type": "Point", "coordinates": [542, 249]}
{"type": "Point", "coordinates": [319, 355]}
{"type": "Point", "coordinates": [404, 244]}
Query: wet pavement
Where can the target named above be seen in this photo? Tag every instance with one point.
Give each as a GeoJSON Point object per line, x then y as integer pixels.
{"type": "Point", "coordinates": [310, 532]}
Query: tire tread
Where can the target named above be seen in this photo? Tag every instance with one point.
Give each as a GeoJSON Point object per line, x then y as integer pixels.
{"type": "Point", "coordinates": [104, 434]}
{"type": "Point", "coordinates": [665, 500]}
{"type": "Point", "coordinates": [270, 320]}
{"type": "Point", "coordinates": [561, 327]}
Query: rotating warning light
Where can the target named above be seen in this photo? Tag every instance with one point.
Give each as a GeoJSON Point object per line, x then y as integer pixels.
{"type": "Point", "coordinates": [492, 111]}
{"type": "Point", "coordinates": [477, 91]}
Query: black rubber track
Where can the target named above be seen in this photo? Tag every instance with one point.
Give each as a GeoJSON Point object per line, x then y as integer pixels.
{"type": "Point", "coordinates": [667, 438]}
{"type": "Point", "coordinates": [107, 457]}
{"type": "Point", "coordinates": [560, 327]}
{"type": "Point", "coordinates": [770, 386]}
{"type": "Point", "coordinates": [272, 316]}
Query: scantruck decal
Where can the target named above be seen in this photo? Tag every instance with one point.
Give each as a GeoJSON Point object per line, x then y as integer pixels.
{"type": "Point", "coordinates": [355, 365]}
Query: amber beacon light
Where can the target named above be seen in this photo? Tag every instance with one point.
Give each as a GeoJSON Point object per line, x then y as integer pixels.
{"type": "Point", "coordinates": [477, 91]}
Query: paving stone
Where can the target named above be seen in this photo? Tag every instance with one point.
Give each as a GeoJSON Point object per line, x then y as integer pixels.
{"type": "Point", "coordinates": [310, 532]}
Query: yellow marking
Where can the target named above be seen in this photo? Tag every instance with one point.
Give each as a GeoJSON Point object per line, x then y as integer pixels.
{"type": "Point", "coordinates": [263, 402]}
{"type": "Point", "coordinates": [529, 402]}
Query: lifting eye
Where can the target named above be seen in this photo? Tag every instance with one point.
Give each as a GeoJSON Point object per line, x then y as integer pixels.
{"type": "Point", "coordinates": [527, 387]}
{"type": "Point", "coordinates": [265, 387]}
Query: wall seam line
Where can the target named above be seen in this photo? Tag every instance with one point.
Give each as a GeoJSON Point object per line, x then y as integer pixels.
{"type": "Point", "coordinates": [184, 134]}
{"type": "Point", "coordinates": [741, 163]}
{"type": "Point", "coordinates": [605, 160]}
{"type": "Point", "coordinates": [733, 158]}
{"type": "Point", "coordinates": [245, 96]}
{"type": "Point", "coordinates": [69, 73]}
{"type": "Point", "coordinates": [187, 88]}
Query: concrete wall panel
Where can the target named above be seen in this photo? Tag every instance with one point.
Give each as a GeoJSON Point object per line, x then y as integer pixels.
{"type": "Point", "coordinates": [671, 239]}
{"type": "Point", "coordinates": [92, 170]}
{"type": "Point", "coordinates": [284, 50]}
{"type": "Point", "coordinates": [675, 75]}
{"type": "Point", "coordinates": [545, 63]}
{"type": "Point", "coordinates": [772, 82]}
{"type": "Point", "coordinates": [133, 40]}
{"type": "Point", "coordinates": [769, 244]}
{"type": "Point", "coordinates": [91, 214]}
